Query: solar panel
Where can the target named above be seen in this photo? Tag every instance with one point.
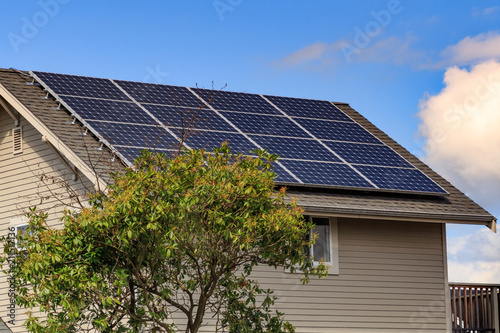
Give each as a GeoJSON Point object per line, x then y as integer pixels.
{"type": "Point", "coordinates": [309, 108]}
{"type": "Point", "coordinates": [357, 153]}
{"type": "Point", "coordinates": [336, 130]}
{"type": "Point", "coordinates": [335, 174]}
{"type": "Point", "coordinates": [304, 149]}
{"type": "Point", "coordinates": [123, 134]}
{"type": "Point", "coordinates": [108, 110]}
{"type": "Point", "coordinates": [263, 124]}
{"type": "Point", "coordinates": [400, 179]}
{"type": "Point", "coordinates": [82, 86]}
{"type": "Point", "coordinates": [282, 175]}
{"type": "Point", "coordinates": [209, 139]}
{"type": "Point", "coordinates": [236, 101]}
{"type": "Point", "coordinates": [160, 94]}
{"type": "Point", "coordinates": [175, 116]}
{"type": "Point", "coordinates": [318, 144]}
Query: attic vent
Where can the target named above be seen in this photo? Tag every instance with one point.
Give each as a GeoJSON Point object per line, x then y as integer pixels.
{"type": "Point", "coordinates": [17, 142]}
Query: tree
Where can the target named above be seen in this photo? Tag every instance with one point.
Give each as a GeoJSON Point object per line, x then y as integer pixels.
{"type": "Point", "coordinates": [171, 243]}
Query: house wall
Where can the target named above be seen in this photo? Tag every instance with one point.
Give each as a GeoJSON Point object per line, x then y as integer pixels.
{"type": "Point", "coordinates": [391, 279]}
{"type": "Point", "coordinates": [21, 188]}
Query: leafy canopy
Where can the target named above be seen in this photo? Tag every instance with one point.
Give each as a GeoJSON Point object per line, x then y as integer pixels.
{"type": "Point", "coordinates": [171, 244]}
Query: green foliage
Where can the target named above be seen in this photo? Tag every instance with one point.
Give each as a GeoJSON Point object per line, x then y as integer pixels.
{"type": "Point", "coordinates": [171, 241]}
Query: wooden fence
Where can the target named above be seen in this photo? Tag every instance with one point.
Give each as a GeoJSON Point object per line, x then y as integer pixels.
{"type": "Point", "coordinates": [474, 308]}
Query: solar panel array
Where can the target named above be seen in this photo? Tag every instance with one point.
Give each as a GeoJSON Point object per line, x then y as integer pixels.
{"type": "Point", "coordinates": [318, 144]}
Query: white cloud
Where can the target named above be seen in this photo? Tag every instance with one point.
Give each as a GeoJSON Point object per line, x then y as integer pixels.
{"type": "Point", "coordinates": [490, 10]}
{"type": "Point", "coordinates": [471, 50]}
{"type": "Point", "coordinates": [475, 272]}
{"type": "Point", "coordinates": [478, 12]}
{"type": "Point", "coordinates": [461, 127]}
{"type": "Point", "coordinates": [394, 50]}
{"type": "Point", "coordinates": [475, 258]}
{"type": "Point", "coordinates": [307, 54]}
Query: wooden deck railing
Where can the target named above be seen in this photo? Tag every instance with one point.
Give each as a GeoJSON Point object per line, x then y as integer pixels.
{"type": "Point", "coordinates": [474, 308]}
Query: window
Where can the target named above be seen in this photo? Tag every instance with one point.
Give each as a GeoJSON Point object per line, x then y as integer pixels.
{"type": "Point", "coordinates": [326, 247]}
{"type": "Point", "coordinates": [18, 227]}
{"type": "Point", "coordinates": [21, 230]}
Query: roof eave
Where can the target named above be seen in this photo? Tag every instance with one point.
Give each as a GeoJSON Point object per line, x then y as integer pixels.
{"type": "Point", "coordinates": [486, 220]}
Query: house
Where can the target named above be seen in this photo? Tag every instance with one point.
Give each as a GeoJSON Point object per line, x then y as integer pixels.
{"type": "Point", "coordinates": [380, 212]}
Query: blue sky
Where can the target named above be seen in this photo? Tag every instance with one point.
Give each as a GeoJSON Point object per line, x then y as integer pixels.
{"type": "Point", "coordinates": [401, 64]}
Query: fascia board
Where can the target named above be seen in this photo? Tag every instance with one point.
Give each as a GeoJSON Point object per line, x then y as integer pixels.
{"type": "Point", "coordinates": [388, 217]}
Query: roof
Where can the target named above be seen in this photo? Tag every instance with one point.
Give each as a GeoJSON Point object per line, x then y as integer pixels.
{"type": "Point", "coordinates": [64, 134]}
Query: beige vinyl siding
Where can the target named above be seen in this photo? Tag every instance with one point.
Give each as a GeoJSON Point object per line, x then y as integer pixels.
{"type": "Point", "coordinates": [391, 280]}
{"type": "Point", "coordinates": [20, 188]}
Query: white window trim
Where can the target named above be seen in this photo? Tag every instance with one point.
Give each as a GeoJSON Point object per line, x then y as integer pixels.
{"type": "Point", "coordinates": [333, 264]}
{"type": "Point", "coordinates": [16, 223]}
{"type": "Point", "coordinates": [17, 227]}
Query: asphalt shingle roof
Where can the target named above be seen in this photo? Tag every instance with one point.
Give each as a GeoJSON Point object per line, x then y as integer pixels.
{"type": "Point", "coordinates": [455, 206]}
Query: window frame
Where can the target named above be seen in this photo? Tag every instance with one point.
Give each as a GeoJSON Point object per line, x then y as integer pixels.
{"type": "Point", "coordinates": [333, 263]}
{"type": "Point", "coordinates": [17, 226]}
